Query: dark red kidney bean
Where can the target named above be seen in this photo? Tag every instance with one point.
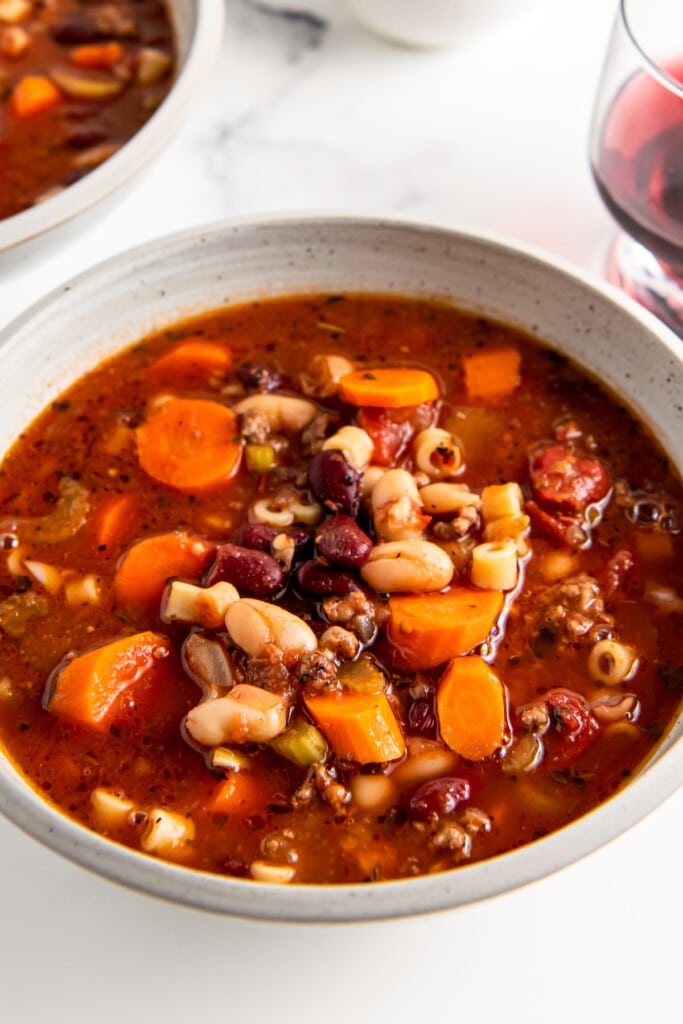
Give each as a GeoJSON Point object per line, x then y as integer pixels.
{"type": "Point", "coordinates": [316, 578]}
{"type": "Point", "coordinates": [573, 727]}
{"type": "Point", "coordinates": [421, 717]}
{"type": "Point", "coordinates": [563, 481]}
{"type": "Point", "coordinates": [260, 536]}
{"type": "Point", "coordinates": [258, 377]}
{"type": "Point", "coordinates": [256, 535]}
{"type": "Point", "coordinates": [438, 798]}
{"type": "Point", "coordinates": [340, 540]}
{"type": "Point", "coordinates": [303, 542]}
{"type": "Point", "coordinates": [83, 136]}
{"type": "Point", "coordinates": [75, 29]}
{"type": "Point", "coordinates": [334, 482]}
{"type": "Point", "coordinates": [248, 569]}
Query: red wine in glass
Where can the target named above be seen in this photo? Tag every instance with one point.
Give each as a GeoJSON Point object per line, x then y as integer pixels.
{"type": "Point", "coordinates": [639, 165]}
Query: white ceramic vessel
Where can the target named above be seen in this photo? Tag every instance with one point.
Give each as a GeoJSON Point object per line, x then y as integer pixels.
{"type": "Point", "coordinates": [436, 24]}
{"type": "Point", "coordinates": [198, 25]}
{"type": "Point", "coordinates": [71, 330]}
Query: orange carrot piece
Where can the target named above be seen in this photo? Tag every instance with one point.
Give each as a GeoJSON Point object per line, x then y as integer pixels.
{"type": "Point", "coordinates": [111, 519]}
{"type": "Point", "coordinates": [146, 567]}
{"type": "Point", "coordinates": [194, 358]}
{"type": "Point", "coordinates": [360, 726]}
{"type": "Point", "coordinates": [32, 94]}
{"type": "Point", "coordinates": [241, 794]}
{"type": "Point", "coordinates": [90, 688]}
{"type": "Point", "coordinates": [492, 374]}
{"type": "Point", "coordinates": [429, 629]}
{"type": "Point", "coordinates": [96, 55]}
{"type": "Point", "coordinates": [471, 708]}
{"type": "Point", "coordinates": [190, 444]}
{"type": "Point", "coordinates": [389, 387]}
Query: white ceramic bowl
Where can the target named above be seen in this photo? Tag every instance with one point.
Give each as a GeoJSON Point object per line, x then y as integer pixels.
{"type": "Point", "coordinates": [71, 330]}
{"type": "Point", "coordinates": [198, 25]}
{"type": "Point", "coordinates": [436, 24]}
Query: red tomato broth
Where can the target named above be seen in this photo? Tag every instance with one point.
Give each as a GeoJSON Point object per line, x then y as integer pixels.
{"type": "Point", "coordinates": [44, 149]}
{"type": "Point", "coordinates": [88, 434]}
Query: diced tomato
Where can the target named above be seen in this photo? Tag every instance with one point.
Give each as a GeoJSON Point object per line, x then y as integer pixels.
{"type": "Point", "coordinates": [573, 727]}
{"type": "Point", "coordinates": [564, 481]}
{"type": "Point", "coordinates": [389, 436]}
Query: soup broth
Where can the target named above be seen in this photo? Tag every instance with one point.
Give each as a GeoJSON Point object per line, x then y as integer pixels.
{"type": "Point", "coordinates": [336, 588]}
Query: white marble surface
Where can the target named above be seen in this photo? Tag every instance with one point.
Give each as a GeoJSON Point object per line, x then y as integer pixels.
{"type": "Point", "coordinates": [308, 115]}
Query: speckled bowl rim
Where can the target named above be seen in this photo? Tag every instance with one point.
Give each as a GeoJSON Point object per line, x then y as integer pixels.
{"type": "Point", "coordinates": [314, 239]}
{"type": "Point", "coordinates": [201, 48]}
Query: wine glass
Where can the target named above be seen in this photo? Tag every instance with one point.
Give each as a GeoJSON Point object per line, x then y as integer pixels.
{"type": "Point", "coordinates": [636, 152]}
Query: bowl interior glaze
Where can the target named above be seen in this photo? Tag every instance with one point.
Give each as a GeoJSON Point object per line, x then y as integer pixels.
{"type": "Point", "coordinates": [113, 305]}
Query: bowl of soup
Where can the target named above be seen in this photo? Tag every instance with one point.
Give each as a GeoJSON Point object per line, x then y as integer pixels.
{"type": "Point", "coordinates": [340, 573]}
{"type": "Point", "coordinates": [89, 95]}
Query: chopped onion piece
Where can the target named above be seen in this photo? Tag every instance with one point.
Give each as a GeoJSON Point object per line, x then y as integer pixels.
{"type": "Point", "coordinates": [49, 576]}
{"type": "Point", "coordinates": [109, 809]}
{"type": "Point", "coordinates": [168, 834]}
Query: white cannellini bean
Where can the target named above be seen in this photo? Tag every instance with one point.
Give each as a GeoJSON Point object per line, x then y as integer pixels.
{"type": "Point", "coordinates": [407, 565]}
{"type": "Point", "coordinates": [397, 506]}
{"type": "Point", "coordinates": [286, 414]}
{"type": "Point", "coordinates": [494, 565]}
{"type": "Point", "coordinates": [247, 714]}
{"type": "Point", "coordinates": [167, 834]}
{"type": "Point", "coordinates": [427, 759]}
{"type": "Point", "coordinates": [372, 792]}
{"type": "Point", "coordinates": [437, 453]}
{"type": "Point", "coordinates": [355, 443]}
{"type": "Point", "coordinates": [254, 624]}
{"type": "Point", "coordinates": [448, 497]}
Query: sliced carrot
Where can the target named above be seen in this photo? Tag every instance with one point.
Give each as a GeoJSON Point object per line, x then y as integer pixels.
{"type": "Point", "coordinates": [429, 629]}
{"type": "Point", "coordinates": [493, 373]}
{"type": "Point", "coordinates": [112, 517]}
{"type": "Point", "coordinates": [360, 726]}
{"type": "Point", "coordinates": [33, 94]}
{"type": "Point", "coordinates": [90, 688]}
{"type": "Point", "coordinates": [192, 360]}
{"type": "Point", "coordinates": [146, 567]}
{"type": "Point", "coordinates": [241, 794]}
{"type": "Point", "coordinates": [389, 387]}
{"type": "Point", "coordinates": [96, 55]}
{"type": "Point", "coordinates": [471, 708]}
{"type": "Point", "coordinates": [190, 444]}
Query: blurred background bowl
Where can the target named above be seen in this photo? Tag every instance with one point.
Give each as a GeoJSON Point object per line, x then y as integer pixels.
{"type": "Point", "coordinates": [198, 26]}
{"type": "Point", "coordinates": [116, 304]}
